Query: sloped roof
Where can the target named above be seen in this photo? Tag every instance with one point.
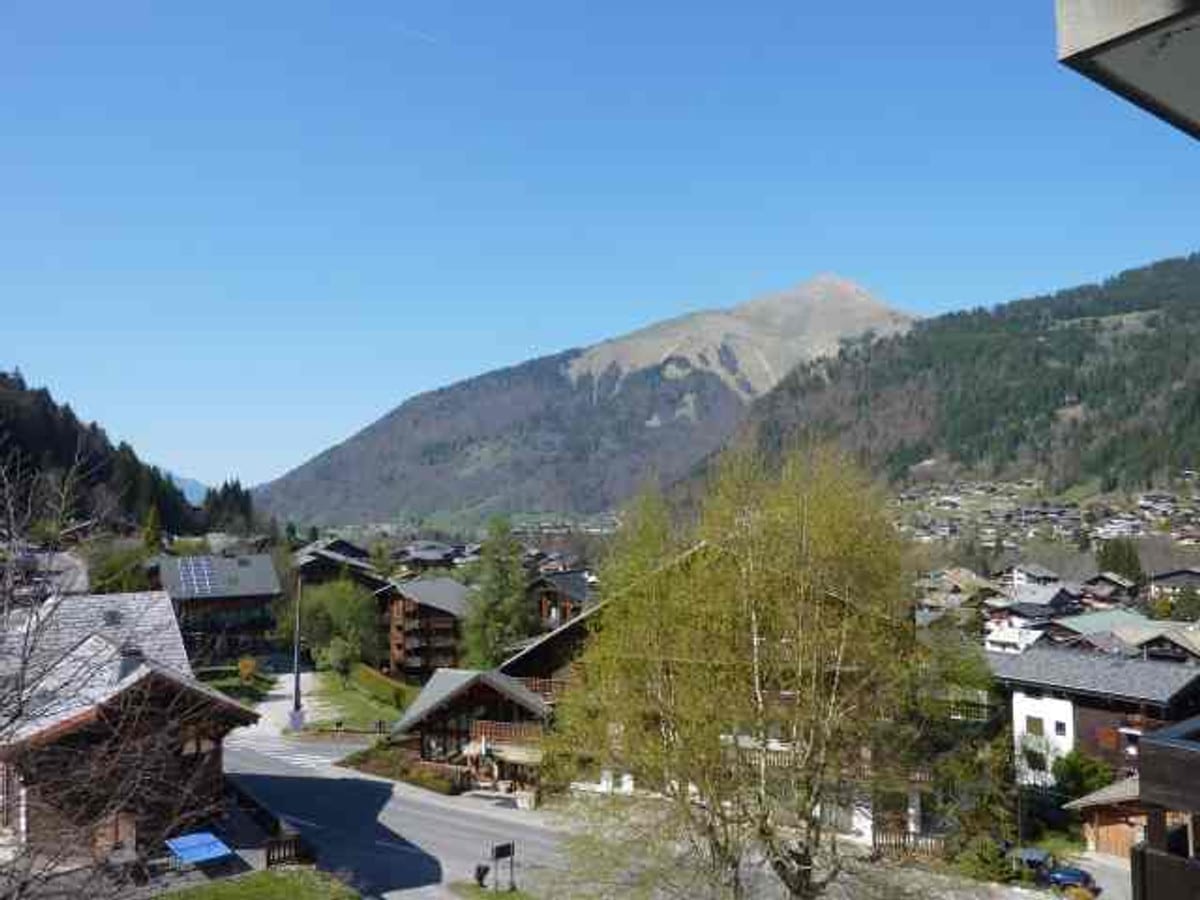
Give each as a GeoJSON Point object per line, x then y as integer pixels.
{"type": "Point", "coordinates": [573, 584]}
{"type": "Point", "coordinates": [1119, 580]}
{"type": "Point", "coordinates": [1104, 620]}
{"type": "Point", "coordinates": [1127, 790]}
{"type": "Point", "coordinates": [443, 594]}
{"type": "Point", "coordinates": [79, 652]}
{"type": "Point", "coordinates": [1095, 674]}
{"type": "Point", "coordinates": [216, 577]}
{"type": "Point", "coordinates": [145, 620]}
{"type": "Point", "coordinates": [579, 621]}
{"type": "Point", "coordinates": [446, 684]}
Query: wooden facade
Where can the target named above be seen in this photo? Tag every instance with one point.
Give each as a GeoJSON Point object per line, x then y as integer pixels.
{"type": "Point", "coordinates": [121, 777]}
{"type": "Point", "coordinates": [445, 734]}
{"type": "Point", "coordinates": [421, 639]}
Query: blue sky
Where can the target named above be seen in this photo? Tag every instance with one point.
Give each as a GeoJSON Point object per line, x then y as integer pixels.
{"type": "Point", "coordinates": [238, 233]}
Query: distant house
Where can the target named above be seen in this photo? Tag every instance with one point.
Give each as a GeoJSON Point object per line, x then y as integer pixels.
{"type": "Point", "coordinates": [1027, 573]}
{"type": "Point", "coordinates": [421, 556]}
{"type": "Point", "coordinates": [560, 596]}
{"type": "Point", "coordinates": [1174, 582]}
{"type": "Point", "coordinates": [1031, 606]}
{"type": "Point", "coordinates": [1062, 699]}
{"type": "Point", "coordinates": [1110, 587]}
{"type": "Point", "coordinates": [1007, 639]}
{"type": "Point", "coordinates": [1069, 628]}
{"type": "Point", "coordinates": [425, 618]}
{"type": "Point", "coordinates": [112, 745]}
{"type": "Point", "coordinates": [332, 559]}
{"type": "Point", "coordinates": [225, 604]}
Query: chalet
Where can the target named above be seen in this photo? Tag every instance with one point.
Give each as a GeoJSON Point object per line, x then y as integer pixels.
{"type": "Point", "coordinates": [113, 745]}
{"type": "Point", "coordinates": [1026, 573]}
{"type": "Point", "coordinates": [421, 556]}
{"type": "Point", "coordinates": [559, 597]}
{"type": "Point", "coordinates": [425, 618]}
{"type": "Point", "coordinates": [318, 564]}
{"type": "Point", "coordinates": [1110, 587]}
{"type": "Point", "coordinates": [464, 716]}
{"type": "Point", "coordinates": [1063, 699]}
{"type": "Point", "coordinates": [225, 604]}
{"type": "Point", "coordinates": [1069, 629]}
{"type": "Point", "coordinates": [1174, 582]}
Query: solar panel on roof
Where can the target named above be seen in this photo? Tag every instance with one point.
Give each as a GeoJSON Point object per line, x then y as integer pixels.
{"type": "Point", "coordinates": [196, 575]}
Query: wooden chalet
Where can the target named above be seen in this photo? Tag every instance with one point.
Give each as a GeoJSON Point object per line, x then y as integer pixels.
{"type": "Point", "coordinates": [114, 746]}
{"type": "Point", "coordinates": [559, 597]}
{"type": "Point", "coordinates": [425, 619]}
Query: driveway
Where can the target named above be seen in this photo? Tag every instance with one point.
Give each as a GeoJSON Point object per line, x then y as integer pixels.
{"type": "Point", "coordinates": [1112, 874]}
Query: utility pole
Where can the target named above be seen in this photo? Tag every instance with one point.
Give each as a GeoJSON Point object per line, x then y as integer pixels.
{"type": "Point", "coordinates": [296, 720]}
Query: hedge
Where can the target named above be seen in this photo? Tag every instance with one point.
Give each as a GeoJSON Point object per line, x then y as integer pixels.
{"type": "Point", "coordinates": [380, 687]}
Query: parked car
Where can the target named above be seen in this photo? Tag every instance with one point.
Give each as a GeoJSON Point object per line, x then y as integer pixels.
{"type": "Point", "coordinates": [1064, 877]}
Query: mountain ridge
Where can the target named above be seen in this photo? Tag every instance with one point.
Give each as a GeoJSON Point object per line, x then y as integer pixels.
{"type": "Point", "coordinates": [579, 431]}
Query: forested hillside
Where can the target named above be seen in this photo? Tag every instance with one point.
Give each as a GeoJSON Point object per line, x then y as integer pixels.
{"type": "Point", "coordinates": [48, 437]}
{"type": "Point", "coordinates": [1100, 382]}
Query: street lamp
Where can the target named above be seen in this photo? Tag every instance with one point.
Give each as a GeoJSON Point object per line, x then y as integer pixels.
{"type": "Point", "coordinates": [296, 718]}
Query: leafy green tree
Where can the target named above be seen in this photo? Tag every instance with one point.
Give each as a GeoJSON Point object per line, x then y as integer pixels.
{"type": "Point", "coordinates": [1187, 605]}
{"type": "Point", "coordinates": [152, 535]}
{"type": "Point", "coordinates": [291, 533]}
{"type": "Point", "coordinates": [742, 669]}
{"type": "Point", "coordinates": [338, 609]}
{"type": "Point", "coordinates": [1120, 555]}
{"type": "Point", "coordinates": [500, 612]}
{"type": "Point", "coordinates": [340, 656]}
{"type": "Point", "coordinates": [118, 567]}
{"type": "Point", "coordinates": [1076, 775]}
{"type": "Point", "coordinates": [381, 558]}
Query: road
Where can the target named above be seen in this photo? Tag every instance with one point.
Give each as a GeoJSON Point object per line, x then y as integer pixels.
{"type": "Point", "coordinates": [385, 839]}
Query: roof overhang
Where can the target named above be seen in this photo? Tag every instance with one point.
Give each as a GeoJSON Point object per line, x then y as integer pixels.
{"type": "Point", "coordinates": [1148, 51]}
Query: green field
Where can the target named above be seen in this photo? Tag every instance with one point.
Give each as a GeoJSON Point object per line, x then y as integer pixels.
{"type": "Point", "coordinates": [278, 885]}
{"type": "Point", "coordinates": [353, 707]}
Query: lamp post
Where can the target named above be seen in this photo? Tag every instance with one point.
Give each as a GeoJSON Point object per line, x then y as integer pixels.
{"type": "Point", "coordinates": [296, 719]}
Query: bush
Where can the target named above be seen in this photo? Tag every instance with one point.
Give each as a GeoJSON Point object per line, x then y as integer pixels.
{"type": "Point", "coordinates": [984, 859]}
{"type": "Point", "coordinates": [246, 668]}
{"type": "Point", "coordinates": [378, 686]}
{"type": "Point", "coordinates": [398, 764]}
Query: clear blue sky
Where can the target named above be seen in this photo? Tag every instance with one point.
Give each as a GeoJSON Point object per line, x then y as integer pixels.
{"type": "Point", "coordinates": [234, 235]}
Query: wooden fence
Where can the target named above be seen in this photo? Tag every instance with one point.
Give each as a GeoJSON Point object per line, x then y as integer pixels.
{"type": "Point", "coordinates": [287, 849]}
{"type": "Point", "coordinates": [903, 845]}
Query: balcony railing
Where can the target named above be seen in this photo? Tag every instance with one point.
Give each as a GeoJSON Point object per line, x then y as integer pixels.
{"type": "Point", "coordinates": [550, 689]}
{"type": "Point", "coordinates": [522, 733]}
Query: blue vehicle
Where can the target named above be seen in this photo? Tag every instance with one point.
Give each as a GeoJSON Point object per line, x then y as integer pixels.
{"type": "Point", "coordinates": [1063, 877]}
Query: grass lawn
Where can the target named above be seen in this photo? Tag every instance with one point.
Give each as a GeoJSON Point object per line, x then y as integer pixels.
{"type": "Point", "coordinates": [394, 763]}
{"type": "Point", "coordinates": [1061, 845]}
{"type": "Point", "coordinates": [249, 692]}
{"type": "Point", "coordinates": [277, 885]}
{"type": "Point", "coordinates": [355, 709]}
{"type": "Point", "coordinates": [472, 891]}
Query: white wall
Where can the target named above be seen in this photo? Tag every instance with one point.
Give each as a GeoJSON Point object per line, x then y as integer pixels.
{"type": "Point", "coordinates": [1050, 710]}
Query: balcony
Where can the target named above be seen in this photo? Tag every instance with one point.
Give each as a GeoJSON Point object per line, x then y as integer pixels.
{"type": "Point", "coordinates": [507, 733]}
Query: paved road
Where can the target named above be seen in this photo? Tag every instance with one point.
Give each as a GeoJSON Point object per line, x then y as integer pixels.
{"type": "Point", "coordinates": [1112, 875]}
{"type": "Point", "coordinates": [386, 840]}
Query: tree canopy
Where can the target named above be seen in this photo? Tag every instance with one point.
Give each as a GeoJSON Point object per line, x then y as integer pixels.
{"type": "Point", "coordinates": [500, 614]}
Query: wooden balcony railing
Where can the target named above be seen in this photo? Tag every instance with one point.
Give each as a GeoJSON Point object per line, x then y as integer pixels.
{"type": "Point", "coordinates": [550, 689]}
{"type": "Point", "coordinates": [523, 733]}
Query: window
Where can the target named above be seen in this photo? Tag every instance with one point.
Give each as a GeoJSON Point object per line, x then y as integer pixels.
{"type": "Point", "coordinates": [1060, 729]}
{"type": "Point", "coordinates": [1033, 725]}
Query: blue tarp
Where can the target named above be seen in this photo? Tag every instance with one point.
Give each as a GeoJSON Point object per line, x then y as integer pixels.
{"type": "Point", "coordinates": [203, 846]}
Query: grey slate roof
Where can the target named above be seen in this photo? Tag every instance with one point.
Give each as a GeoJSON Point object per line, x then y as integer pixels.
{"type": "Point", "coordinates": [143, 620]}
{"type": "Point", "coordinates": [75, 652]}
{"type": "Point", "coordinates": [573, 584]}
{"type": "Point", "coordinates": [443, 594]}
{"type": "Point", "coordinates": [231, 576]}
{"type": "Point", "coordinates": [446, 684]}
{"type": "Point", "coordinates": [1094, 674]}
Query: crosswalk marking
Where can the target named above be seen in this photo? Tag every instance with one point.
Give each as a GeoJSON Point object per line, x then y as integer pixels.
{"type": "Point", "coordinates": [279, 749]}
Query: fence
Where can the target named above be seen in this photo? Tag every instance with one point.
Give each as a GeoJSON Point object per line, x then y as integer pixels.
{"type": "Point", "coordinates": [902, 844]}
{"type": "Point", "coordinates": [287, 849]}
{"type": "Point", "coordinates": [524, 733]}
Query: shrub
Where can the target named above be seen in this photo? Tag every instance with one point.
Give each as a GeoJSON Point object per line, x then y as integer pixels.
{"type": "Point", "coordinates": [246, 668]}
{"type": "Point", "coordinates": [378, 686]}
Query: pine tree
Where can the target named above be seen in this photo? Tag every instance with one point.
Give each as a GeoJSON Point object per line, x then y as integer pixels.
{"type": "Point", "coordinates": [500, 613]}
{"type": "Point", "coordinates": [152, 536]}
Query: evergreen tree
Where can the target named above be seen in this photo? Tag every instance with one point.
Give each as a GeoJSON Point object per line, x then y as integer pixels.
{"type": "Point", "coordinates": [1120, 555]}
{"type": "Point", "coordinates": [152, 537]}
{"type": "Point", "coordinates": [500, 613]}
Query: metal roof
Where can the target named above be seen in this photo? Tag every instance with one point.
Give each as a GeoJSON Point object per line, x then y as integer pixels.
{"type": "Point", "coordinates": [1094, 674]}
{"type": "Point", "coordinates": [214, 577]}
{"type": "Point", "coordinates": [1104, 620]}
{"type": "Point", "coordinates": [1126, 791]}
{"type": "Point", "coordinates": [443, 594]}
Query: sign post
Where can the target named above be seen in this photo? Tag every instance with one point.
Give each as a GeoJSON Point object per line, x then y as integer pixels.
{"type": "Point", "coordinates": [501, 852]}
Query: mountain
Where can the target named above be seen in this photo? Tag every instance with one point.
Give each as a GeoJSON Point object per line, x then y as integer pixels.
{"type": "Point", "coordinates": [577, 432]}
{"type": "Point", "coordinates": [1096, 384]}
{"type": "Point", "coordinates": [192, 489]}
{"type": "Point", "coordinates": [43, 435]}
